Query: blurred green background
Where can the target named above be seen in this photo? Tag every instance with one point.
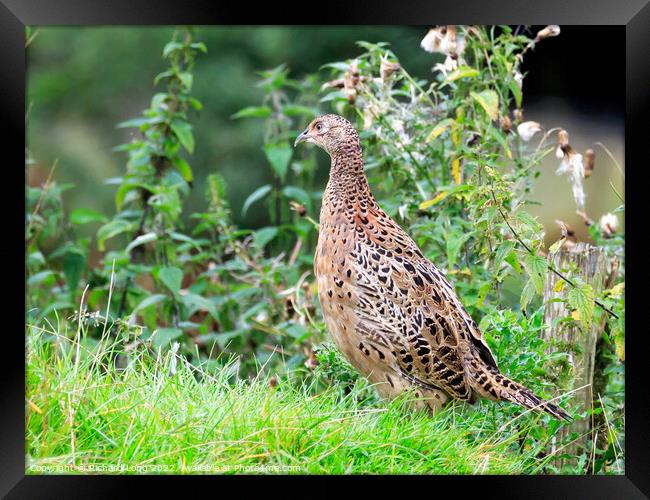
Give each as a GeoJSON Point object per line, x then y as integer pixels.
{"type": "Point", "coordinates": [83, 81]}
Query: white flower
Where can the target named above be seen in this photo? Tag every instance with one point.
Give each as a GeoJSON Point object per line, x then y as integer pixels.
{"type": "Point", "coordinates": [608, 224]}
{"type": "Point", "coordinates": [527, 130]}
{"type": "Point", "coordinates": [573, 166]}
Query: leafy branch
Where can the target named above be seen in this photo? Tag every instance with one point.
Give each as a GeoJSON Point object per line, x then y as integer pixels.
{"type": "Point", "coordinates": [548, 265]}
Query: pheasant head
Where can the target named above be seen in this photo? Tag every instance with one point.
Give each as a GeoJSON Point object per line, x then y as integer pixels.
{"type": "Point", "coordinates": [338, 137]}
{"type": "Point", "coordinates": [333, 133]}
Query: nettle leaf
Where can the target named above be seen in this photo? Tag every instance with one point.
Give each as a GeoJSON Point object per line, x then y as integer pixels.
{"type": "Point", "coordinates": [171, 47]}
{"type": "Point", "coordinates": [42, 277]}
{"type": "Point", "coordinates": [150, 301]}
{"type": "Point", "coordinates": [81, 216]}
{"type": "Point", "coordinates": [184, 168]}
{"type": "Point", "coordinates": [121, 193]}
{"type": "Point", "coordinates": [581, 298]}
{"type": "Point", "coordinates": [527, 220]}
{"type": "Point", "coordinates": [454, 243]}
{"type": "Point", "coordinates": [256, 195]}
{"type": "Point", "coordinates": [279, 156]}
{"type": "Point", "coordinates": [506, 248]}
{"type": "Point", "coordinates": [527, 294]}
{"type": "Point", "coordinates": [298, 332]}
{"type": "Point", "coordinates": [141, 240]}
{"type": "Point", "coordinates": [164, 336]}
{"type": "Point", "coordinates": [134, 122]}
{"type": "Point", "coordinates": [253, 112]}
{"type": "Point", "coordinates": [516, 92]}
{"type": "Point", "coordinates": [296, 110]}
{"type": "Point", "coordinates": [489, 101]}
{"type": "Point", "coordinates": [36, 258]}
{"type": "Point", "coordinates": [199, 46]}
{"type": "Point", "coordinates": [556, 246]}
{"type": "Point", "coordinates": [74, 263]}
{"type": "Point", "coordinates": [462, 72]}
{"type": "Point", "coordinates": [183, 131]}
{"type": "Point", "coordinates": [265, 235]}
{"type": "Point", "coordinates": [535, 266]}
{"type": "Point", "coordinates": [482, 293]}
{"type": "Point", "coordinates": [111, 229]}
{"type": "Point", "coordinates": [171, 277]}
{"type": "Point", "coordinates": [195, 103]}
{"type": "Point", "coordinates": [298, 194]}
{"type": "Point", "coordinates": [187, 79]}
{"type": "Point", "coordinates": [186, 239]}
{"type": "Point", "coordinates": [196, 302]}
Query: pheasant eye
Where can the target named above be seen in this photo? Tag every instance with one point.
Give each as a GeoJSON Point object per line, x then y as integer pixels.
{"type": "Point", "coordinates": [319, 126]}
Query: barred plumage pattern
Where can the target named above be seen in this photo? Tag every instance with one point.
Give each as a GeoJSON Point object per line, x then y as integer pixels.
{"type": "Point", "coordinates": [393, 314]}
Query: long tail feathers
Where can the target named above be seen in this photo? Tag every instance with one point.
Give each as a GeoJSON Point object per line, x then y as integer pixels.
{"type": "Point", "coordinates": [500, 387]}
{"type": "Point", "coordinates": [525, 397]}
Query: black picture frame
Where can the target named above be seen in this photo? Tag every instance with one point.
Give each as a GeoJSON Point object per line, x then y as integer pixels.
{"type": "Point", "coordinates": [633, 14]}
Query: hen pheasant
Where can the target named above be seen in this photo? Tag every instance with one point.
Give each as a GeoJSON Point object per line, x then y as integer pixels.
{"type": "Point", "coordinates": [390, 311]}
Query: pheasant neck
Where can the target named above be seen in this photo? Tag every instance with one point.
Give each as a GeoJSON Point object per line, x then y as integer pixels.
{"type": "Point", "coordinates": [347, 177]}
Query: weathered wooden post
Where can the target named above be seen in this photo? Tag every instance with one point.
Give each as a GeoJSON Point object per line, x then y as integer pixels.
{"type": "Point", "coordinates": [578, 342]}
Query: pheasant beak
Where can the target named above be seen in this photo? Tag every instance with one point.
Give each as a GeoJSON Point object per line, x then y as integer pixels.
{"type": "Point", "coordinates": [303, 137]}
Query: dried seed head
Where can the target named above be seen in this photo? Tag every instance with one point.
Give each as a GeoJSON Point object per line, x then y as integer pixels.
{"type": "Point", "coordinates": [273, 381]}
{"type": "Point", "coordinates": [608, 224]}
{"type": "Point", "coordinates": [387, 69]}
{"type": "Point", "coordinates": [566, 230]}
{"type": "Point", "coordinates": [550, 31]}
{"type": "Point", "coordinates": [563, 138]}
{"type": "Point", "coordinates": [444, 40]}
{"type": "Point", "coordinates": [298, 208]}
{"type": "Point", "coordinates": [433, 39]}
{"type": "Point", "coordinates": [585, 218]}
{"type": "Point", "coordinates": [590, 158]}
{"type": "Point", "coordinates": [506, 123]}
{"type": "Point", "coordinates": [527, 130]}
{"type": "Point", "coordinates": [573, 166]}
{"type": "Point", "coordinates": [567, 235]}
{"type": "Point", "coordinates": [518, 115]}
{"type": "Point", "coordinates": [350, 82]}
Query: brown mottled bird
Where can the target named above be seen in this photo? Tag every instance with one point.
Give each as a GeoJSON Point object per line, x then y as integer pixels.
{"type": "Point", "coordinates": [390, 311]}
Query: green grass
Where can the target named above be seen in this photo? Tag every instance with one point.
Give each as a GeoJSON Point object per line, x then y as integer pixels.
{"type": "Point", "coordinates": [162, 414]}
